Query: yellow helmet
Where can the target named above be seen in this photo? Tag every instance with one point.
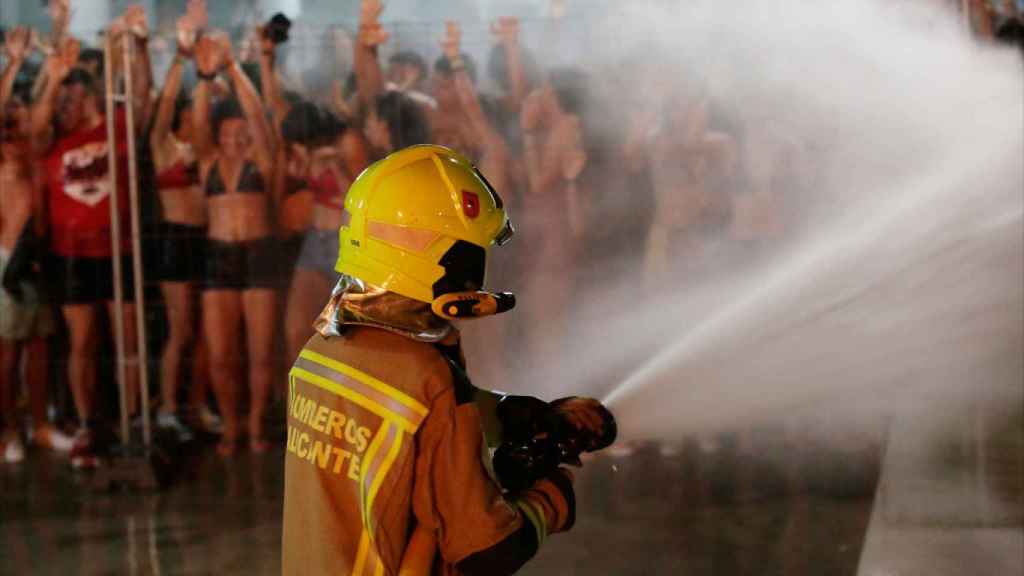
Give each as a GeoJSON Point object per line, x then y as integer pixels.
{"type": "Point", "coordinates": [420, 223]}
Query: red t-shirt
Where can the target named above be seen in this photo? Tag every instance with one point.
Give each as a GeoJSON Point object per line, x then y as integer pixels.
{"type": "Point", "coordinates": [78, 185]}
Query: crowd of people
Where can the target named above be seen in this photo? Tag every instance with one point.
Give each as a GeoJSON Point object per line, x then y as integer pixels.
{"type": "Point", "coordinates": [248, 169]}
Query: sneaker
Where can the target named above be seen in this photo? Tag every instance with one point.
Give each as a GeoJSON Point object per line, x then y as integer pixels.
{"type": "Point", "coordinates": [209, 421]}
{"type": "Point", "coordinates": [170, 421]}
{"type": "Point", "coordinates": [14, 450]}
{"type": "Point", "coordinates": [82, 455]}
{"type": "Point", "coordinates": [51, 438]}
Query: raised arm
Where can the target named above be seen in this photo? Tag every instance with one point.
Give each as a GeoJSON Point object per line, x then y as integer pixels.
{"type": "Point", "coordinates": [57, 67]}
{"type": "Point", "coordinates": [187, 31]}
{"type": "Point", "coordinates": [494, 153]}
{"type": "Point", "coordinates": [207, 66]}
{"type": "Point", "coordinates": [16, 47]}
{"type": "Point", "coordinates": [269, 80]}
{"type": "Point", "coordinates": [252, 107]}
{"type": "Point", "coordinates": [369, 78]}
{"type": "Point", "coordinates": [59, 12]}
{"type": "Point", "coordinates": [165, 107]}
{"type": "Point", "coordinates": [539, 120]}
{"type": "Point", "coordinates": [506, 30]}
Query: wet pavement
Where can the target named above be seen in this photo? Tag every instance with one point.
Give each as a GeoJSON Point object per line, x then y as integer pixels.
{"type": "Point", "coordinates": [686, 510]}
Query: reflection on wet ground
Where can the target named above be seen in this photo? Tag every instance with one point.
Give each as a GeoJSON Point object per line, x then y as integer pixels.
{"type": "Point", "coordinates": [224, 519]}
{"type": "Point", "coordinates": [657, 510]}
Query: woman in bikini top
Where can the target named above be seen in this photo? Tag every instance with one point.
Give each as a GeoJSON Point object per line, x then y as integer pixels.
{"type": "Point", "coordinates": [171, 141]}
{"type": "Point", "coordinates": [324, 152]}
{"type": "Point", "coordinates": [180, 263]}
{"type": "Point", "coordinates": [235, 183]}
{"type": "Point", "coordinates": [235, 153]}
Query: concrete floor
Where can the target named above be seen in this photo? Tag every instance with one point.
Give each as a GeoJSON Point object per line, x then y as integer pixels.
{"type": "Point", "coordinates": [651, 512]}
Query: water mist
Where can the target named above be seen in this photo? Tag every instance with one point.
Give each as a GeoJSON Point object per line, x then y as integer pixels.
{"type": "Point", "coordinates": [897, 292]}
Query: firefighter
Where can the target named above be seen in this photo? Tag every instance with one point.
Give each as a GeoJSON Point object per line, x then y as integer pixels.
{"type": "Point", "coordinates": [386, 468]}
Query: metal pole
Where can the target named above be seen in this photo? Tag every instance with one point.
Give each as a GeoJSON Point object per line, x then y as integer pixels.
{"type": "Point", "coordinates": [115, 236]}
{"type": "Point", "coordinates": [133, 187]}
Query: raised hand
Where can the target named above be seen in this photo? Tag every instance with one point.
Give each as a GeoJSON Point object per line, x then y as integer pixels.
{"type": "Point", "coordinates": [223, 42]}
{"type": "Point", "coordinates": [369, 12]}
{"type": "Point", "coordinates": [60, 15]}
{"type": "Point", "coordinates": [197, 14]}
{"type": "Point", "coordinates": [133, 21]}
{"type": "Point", "coordinates": [373, 36]}
{"type": "Point", "coordinates": [186, 33]}
{"type": "Point", "coordinates": [506, 31]}
{"type": "Point", "coordinates": [212, 53]}
{"type": "Point", "coordinates": [371, 33]}
{"type": "Point", "coordinates": [59, 64]}
{"type": "Point", "coordinates": [18, 43]}
{"type": "Point", "coordinates": [451, 44]}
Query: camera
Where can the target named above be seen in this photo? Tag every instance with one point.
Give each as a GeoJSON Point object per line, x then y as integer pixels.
{"type": "Point", "coordinates": [276, 29]}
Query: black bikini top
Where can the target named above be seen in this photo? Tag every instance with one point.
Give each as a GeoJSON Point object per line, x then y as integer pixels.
{"type": "Point", "coordinates": [250, 181]}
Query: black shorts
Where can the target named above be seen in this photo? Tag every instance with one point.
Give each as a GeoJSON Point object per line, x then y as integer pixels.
{"type": "Point", "coordinates": [181, 253]}
{"type": "Point", "coordinates": [242, 265]}
{"type": "Point", "coordinates": [82, 280]}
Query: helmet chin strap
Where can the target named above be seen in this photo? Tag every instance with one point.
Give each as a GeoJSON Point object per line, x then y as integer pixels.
{"type": "Point", "coordinates": [473, 304]}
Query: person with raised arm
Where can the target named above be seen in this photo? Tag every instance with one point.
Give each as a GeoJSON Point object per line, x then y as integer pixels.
{"type": "Point", "coordinates": [234, 146]}
{"type": "Point", "coordinates": [462, 124]}
{"type": "Point", "coordinates": [687, 159]}
{"type": "Point", "coordinates": [406, 73]}
{"type": "Point", "coordinates": [324, 155]}
{"type": "Point", "coordinates": [181, 265]}
{"type": "Point", "coordinates": [25, 318]}
{"type": "Point", "coordinates": [69, 121]}
{"type": "Point", "coordinates": [553, 157]}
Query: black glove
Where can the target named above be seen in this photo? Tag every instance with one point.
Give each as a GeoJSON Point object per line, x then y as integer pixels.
{"type": "Point", "coordinates": [538, 437]}
{"type": "Point", "coordinates": [589, 417]}
{"type": "Point", "coordinates": [524, 417]}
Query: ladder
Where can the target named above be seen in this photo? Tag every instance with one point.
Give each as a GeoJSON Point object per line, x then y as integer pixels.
{"type": "Point", "coordinates": [124, 48]}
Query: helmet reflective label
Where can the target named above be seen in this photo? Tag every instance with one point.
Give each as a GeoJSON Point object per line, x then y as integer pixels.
{"type": "Point", "coordinates": [470, 204]}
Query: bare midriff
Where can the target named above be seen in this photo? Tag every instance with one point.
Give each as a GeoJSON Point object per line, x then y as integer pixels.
{"type": "Point", "coordinates": [184, 205]}
{"type": "Point", "coordinates": [238, 217]}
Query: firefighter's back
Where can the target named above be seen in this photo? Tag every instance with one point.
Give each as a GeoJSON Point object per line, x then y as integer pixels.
{"type": "Point", "coordinates": [355, 404]}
